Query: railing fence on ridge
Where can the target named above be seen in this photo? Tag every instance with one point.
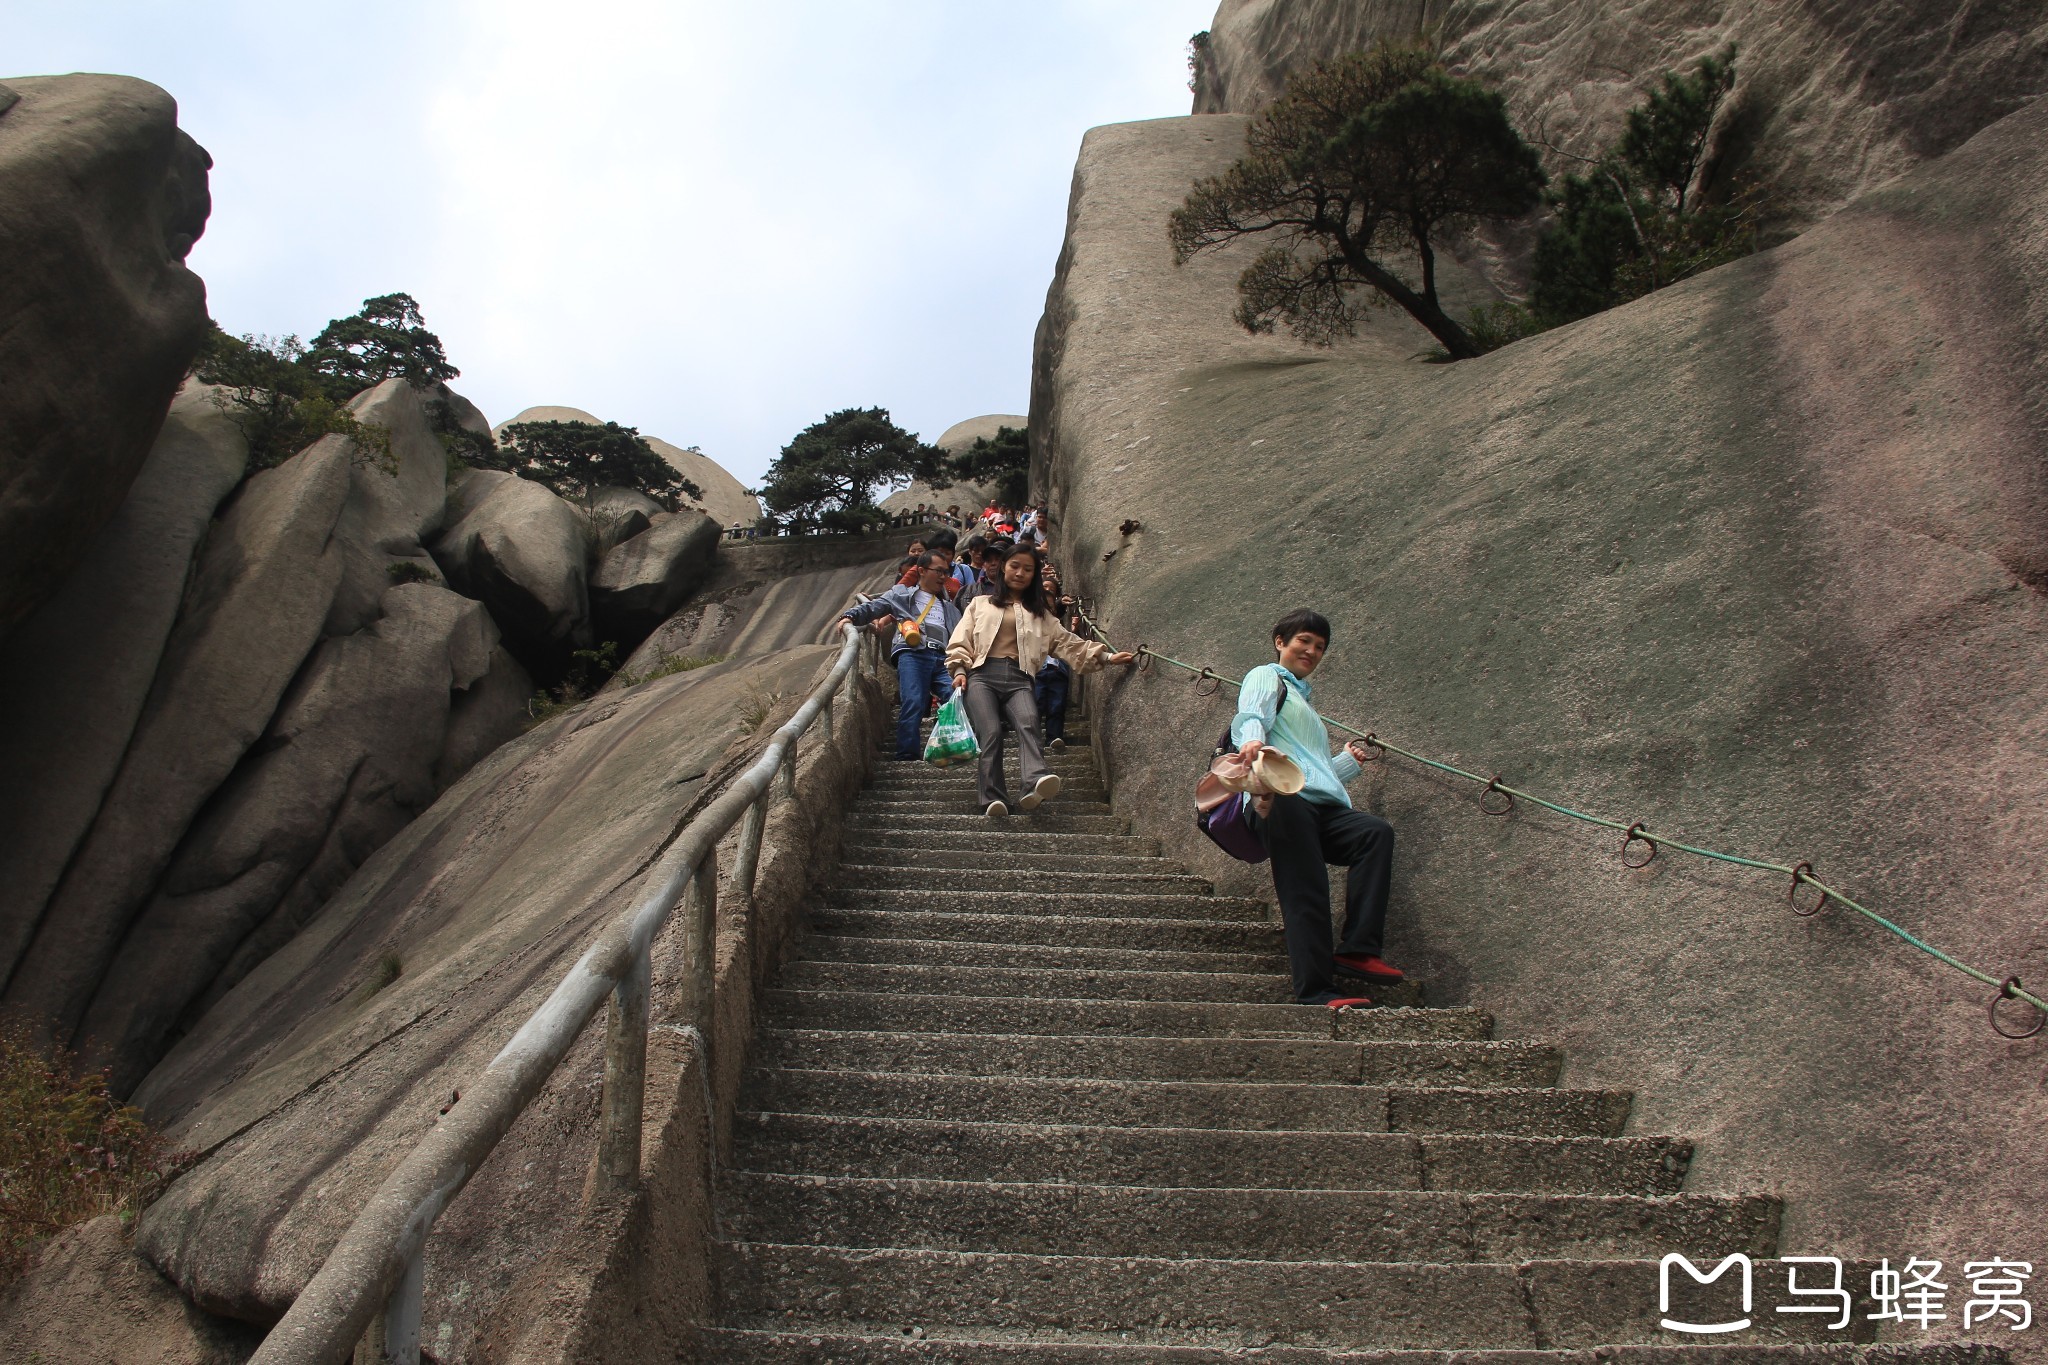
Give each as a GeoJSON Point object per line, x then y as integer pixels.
{"type": "Point", "coordinates": [368, 1294]}
{"type": "Point", "coordinates": [1638, 832]}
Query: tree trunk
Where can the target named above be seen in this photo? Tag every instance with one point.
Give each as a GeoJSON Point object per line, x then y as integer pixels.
{"type": "Point", "coordinates": [1423, 310]}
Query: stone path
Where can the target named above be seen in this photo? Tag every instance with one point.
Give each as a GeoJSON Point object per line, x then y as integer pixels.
{"type": "Point", "coordinates": [1061, 1117]}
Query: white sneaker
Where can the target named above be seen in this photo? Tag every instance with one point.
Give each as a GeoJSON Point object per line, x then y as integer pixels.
{"type": "Point", "coordinates": [1059, 746]}
{"type": "Point", "coordinates": [1046, 786]}
{"type": "Point", "coordinates": [996, 809]}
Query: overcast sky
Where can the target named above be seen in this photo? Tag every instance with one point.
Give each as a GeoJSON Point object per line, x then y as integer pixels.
{"type": "Point", "coordinates": [716, 223]}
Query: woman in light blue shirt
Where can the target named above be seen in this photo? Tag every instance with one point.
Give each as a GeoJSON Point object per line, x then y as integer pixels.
{"type": "Point", "coordinates": [1306, 832]}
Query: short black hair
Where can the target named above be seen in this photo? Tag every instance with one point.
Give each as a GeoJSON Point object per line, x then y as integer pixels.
{"type": "Point", "coordinates": [941, 539]}
{"type": "Point", "coordinates": [976, 542]}
{"type": "Point", "coordinates": [1295, 622]}
{"type": "Point", "coordinates": [932, 559]}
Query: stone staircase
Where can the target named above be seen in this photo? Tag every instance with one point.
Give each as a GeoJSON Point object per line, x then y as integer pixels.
{"type": "Point", "coordinates": [1033, 1094]}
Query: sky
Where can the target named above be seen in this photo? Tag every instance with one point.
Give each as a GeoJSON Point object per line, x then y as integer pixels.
{"type": "Point", "coordinates": [716, 223]}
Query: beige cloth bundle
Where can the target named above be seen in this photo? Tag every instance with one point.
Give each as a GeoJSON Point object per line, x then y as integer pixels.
{"type": "Point", "coordinates": [1271, 774]}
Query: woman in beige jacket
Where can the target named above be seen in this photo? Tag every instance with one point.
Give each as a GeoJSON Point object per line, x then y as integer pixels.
{"type": "Point", "coordinates": [995, 652]}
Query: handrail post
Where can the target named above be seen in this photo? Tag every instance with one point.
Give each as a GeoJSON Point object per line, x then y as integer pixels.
{"type": "Point", "coordinates": [785, 778]}
{"type": "Point", "coordinates": [394, 1335]}
{"type": "Point", "coordinates": [749, 860]}
{"type": "Point", "coordinates": [625, 1080]}
{"type": "Point", "coordinates": [825, 717]}
{"type": "Point", "coordinates": [700, 949]}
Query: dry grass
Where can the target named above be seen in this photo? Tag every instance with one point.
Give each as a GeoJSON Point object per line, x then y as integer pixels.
{"type": "Point", "coordinates": [68, 1150]}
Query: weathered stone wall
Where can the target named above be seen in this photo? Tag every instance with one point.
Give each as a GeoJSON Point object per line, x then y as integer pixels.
{"type": "Point", "coordinates": [1757, 560]}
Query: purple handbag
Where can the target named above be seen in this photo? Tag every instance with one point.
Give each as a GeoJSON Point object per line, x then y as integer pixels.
{"type": "Point", "coordinates": [1228, 826]}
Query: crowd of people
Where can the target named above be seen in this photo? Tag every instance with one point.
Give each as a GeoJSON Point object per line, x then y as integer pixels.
{"type": "Point", "coordinates": [988, 619]}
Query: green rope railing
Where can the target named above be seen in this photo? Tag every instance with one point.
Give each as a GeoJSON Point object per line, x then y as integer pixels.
{"type": "Point", "coordinates": [1637, 832]}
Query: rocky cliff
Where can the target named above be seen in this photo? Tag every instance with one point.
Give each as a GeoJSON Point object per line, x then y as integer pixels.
{"type": "Point", "coordinates": [1757, 560]}
{"type": "Point", "coordinates": [244, 689]}
{"type": "Point", "coordinates": [105, 197]}
{"type": "Point", "coordinates": [1832, 98]}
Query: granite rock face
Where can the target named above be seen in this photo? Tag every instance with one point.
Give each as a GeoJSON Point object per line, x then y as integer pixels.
{"type": "Point", "coordinates": [101, 199]}
{"type": "Point", "coordinates": [75, 675]}
{"type": "Point", "coordinates": [306, 1083]}
{"type": "Point", "coordinates": [522, 552]}
{"type": "Point", "coordinates": [645, 578]}
{"type": "Point", "coordinates": [1831, 98]}
{"type": "Point", "coordinates": [1756, 560]}
{"type": "Point", "coordinates": [725, 499]}
{"type": "Point", "coordinates": [352, 756]}
{"type": "Point", "coordinates": [221, 719]}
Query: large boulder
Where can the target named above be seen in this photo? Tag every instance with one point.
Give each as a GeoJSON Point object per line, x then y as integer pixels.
{"type": "Point", "coordinates": [395, 502]}
{"type": "Point", "coordinates": [522, 552]}
{"type": "Point", "coordinates": [618, 514]}
{"type": "Point", "coordinates": [259, 596]}
{"type": "Point", "coordinates": [101, 198]}
{"type": "Point", "coordinates": [308, 1081]}
{"type": "Point", "coordinates": [725, 500]}
{"type": "Point", "coordinates": [1831, 99]}
{"type": "Point", "coordinates": [206, 822]}
{"type": "Point", "coordinates": [1756, 559]}
{"type": "Point", "coordinates": [644, 579]}
{"type": "Point", "coordinates": [75, 674]}
{"type": "Point", "coordinates": [353, 754]}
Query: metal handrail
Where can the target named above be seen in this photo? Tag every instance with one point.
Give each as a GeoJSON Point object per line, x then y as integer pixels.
{"type": "Point", "coordinates": [380, 1259]}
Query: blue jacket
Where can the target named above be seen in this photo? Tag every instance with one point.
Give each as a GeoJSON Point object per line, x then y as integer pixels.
{"type": "Point", "coordinates": [905, 602]}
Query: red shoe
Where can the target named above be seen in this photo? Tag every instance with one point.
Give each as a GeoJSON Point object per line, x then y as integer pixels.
{"type": "Point", "coordinates": [1349, 1002]}
{"type": "Point", "coordinates": [1371, 968]}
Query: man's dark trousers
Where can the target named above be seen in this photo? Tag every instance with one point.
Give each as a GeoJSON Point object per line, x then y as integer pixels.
{"type": "Point", "coordinates": [1050, 689]}
{"type": "Point", "coordinates": [920, 676]}
{"type": "Point", "coordinates": [1304, 836]}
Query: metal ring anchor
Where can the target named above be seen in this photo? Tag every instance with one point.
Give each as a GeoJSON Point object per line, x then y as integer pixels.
{"type": "Point", "coordinates": [1803, 873]}
{"type": "Point", "coordinates": [1374, 750]}
{"type": "Point", "coordinates": [1493, 785]}
{"type": "Point", "coordinates": [1635, 834]}
{"type": "Point", "coordinates": [2005, 992]}
{"type": "Point", "coordinates": [1212, 678]}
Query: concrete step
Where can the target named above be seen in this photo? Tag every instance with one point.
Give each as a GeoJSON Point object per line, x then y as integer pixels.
{"type": "Point", "coordinates": [927, 860]}
{"type": "Point", "coordinates": [1065, 982]}
{"type": "Point", "coordinates": [828, 1346]}
{"type": "Point", "coordinates": [960, 956]}
{"type": "Point", "coordinates": [1166, 1059]}
{"type": "Point", "coordinates": [919, 804]}
{"type": "Point", "coordinates": [1326, 1304]}
{"type": "Point", "coordinates": [1237, 1224]}
{"type": "Point", "coordinates": [1146, 936]}
{"type": "Point", "coordinates": [1078, 760]}
{"type": "Point", "coordinates": [1028, 882]}
{"type": "Point", "coordinates": [995, 838]}
{"type": "Point", "coordinates": [895, 1012]}
{"type": "Point", "coordinates": [1084, 901]}
{"type": "Point", "coordinates": [1187, 1158]}
{"type": "Point", "coordinates": [895, 782]}
{"type": "Point", "coordinates": [1299, 1107]}
{"type": "Point", "coordinates": [862, 825]}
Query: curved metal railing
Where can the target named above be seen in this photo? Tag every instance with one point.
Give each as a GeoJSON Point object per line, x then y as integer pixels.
{"type": "Point", "coordinates": [372, 1282]}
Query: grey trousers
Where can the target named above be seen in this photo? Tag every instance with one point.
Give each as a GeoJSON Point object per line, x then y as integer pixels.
{"type": "Point", "coordinates": [999, 692]}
